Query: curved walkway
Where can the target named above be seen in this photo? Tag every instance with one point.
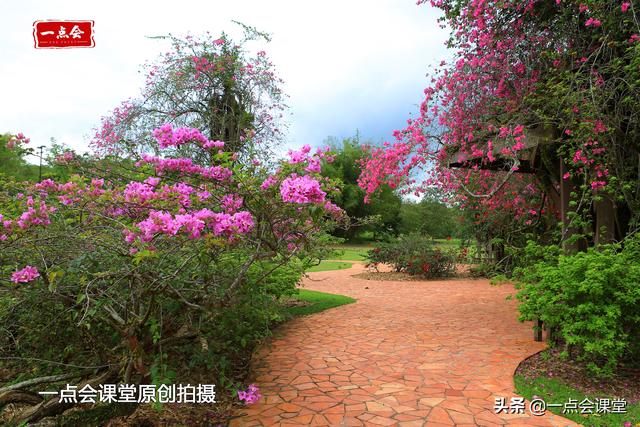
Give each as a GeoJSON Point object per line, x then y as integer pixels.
{"type": "Point", "coordinates": [408, 353]}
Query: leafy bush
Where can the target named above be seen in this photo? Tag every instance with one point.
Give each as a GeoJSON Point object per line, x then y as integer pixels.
{"type": "Point", "coordinates": [144, 272]}
{"type": "Point", "coordinates": [484, 269]}
{"type": "Point", "coordinates": [415, 255]}
{"type": "Point", "coordinates": [590, 298]}
{"type": "Point", "coordinates": [173, 244]}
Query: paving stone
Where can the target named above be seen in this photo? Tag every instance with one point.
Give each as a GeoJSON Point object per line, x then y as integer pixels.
{"type": "Point", "coordinates": [414, 353]}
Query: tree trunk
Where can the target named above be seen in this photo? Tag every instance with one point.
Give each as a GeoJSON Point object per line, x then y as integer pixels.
{"type": "Point", "coordinates": [53, 407]}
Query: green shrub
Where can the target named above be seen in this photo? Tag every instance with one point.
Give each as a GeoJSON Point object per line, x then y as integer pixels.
{"type": "Point", "coordinates": [415, 255]}
{"type": "Point", "coordinates": [484, 269]}
{"type": "Point", "coordinates": [591, 299]}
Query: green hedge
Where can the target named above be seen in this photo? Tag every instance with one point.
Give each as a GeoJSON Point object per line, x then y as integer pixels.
{"type": "Point", "coordinates": [592, 300]}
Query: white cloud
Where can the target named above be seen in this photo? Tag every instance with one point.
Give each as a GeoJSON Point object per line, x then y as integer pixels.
{"type": "Point", "coordinates": [346, 64]}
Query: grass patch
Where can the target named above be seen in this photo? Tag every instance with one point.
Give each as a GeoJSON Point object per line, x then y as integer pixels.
{"type": "Point", "coordinates": [554, 391]}
{"type": "Point", "coordinates": [319, 301]}
{"type": "Point", "coordinates": [329, 265]}
{"type": "Point", "coordinates": [351, 252]}
{"type": "Point", "coordinates": [354, 252]}
{"type": "Point", "coordinates": [447, 243]}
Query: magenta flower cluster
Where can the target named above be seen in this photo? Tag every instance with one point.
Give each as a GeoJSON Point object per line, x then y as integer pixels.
{"type": "Point", "coordinates": [193, 224]}
{"type": "Point", "coordinates": [36, 214]}
{"type": "Point", "coordinates": [169, 137]}
{"type": "Point", "coordinates": [156, 209]}
{"type": "Point", "coordinates": [251, 396]}
{"type": "Point", "coordinates": [65, 157]}
{"type": "Point", "coordinates": [25, 275]}
{"type": "Point", "coordinates": [186, 166]}
{"type": "Point", "coordinates": [231, 203]}
{"type": "Point", "coordinates": [17, 140]}
{"type": "Point", "coordinates": [301, 189]}
{"type": "Point", "coordinates": [312, 161]}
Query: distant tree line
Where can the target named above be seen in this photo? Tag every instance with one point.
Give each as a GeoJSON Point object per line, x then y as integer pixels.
{"type": "Point", "coordinates": [387, 214]}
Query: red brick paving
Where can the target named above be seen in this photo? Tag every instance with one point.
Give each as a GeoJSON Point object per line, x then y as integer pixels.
{"type": "Point", "coordinates": [432, 353]}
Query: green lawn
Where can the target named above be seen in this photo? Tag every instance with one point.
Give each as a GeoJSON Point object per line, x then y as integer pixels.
{"type": "Point", "coordinates": [444, 243]}
{"type": "Point", "coordinates": [329, 265]}
{"type": "Point", "coordinates": [320, 301]}
{"type": "Point", "coordinates": [351, 252]}
{"type": "Point", "coordinates": [554, 391]}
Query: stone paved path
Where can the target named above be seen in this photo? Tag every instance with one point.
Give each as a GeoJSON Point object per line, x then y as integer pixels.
{"type": "Point", "coordinates": [410, 353]}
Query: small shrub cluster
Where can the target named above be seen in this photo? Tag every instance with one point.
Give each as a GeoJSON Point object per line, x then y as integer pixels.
{"type": "Point", "coordinates": [415, 255]}
{"type": "Point", "coordinates": [590, 298]}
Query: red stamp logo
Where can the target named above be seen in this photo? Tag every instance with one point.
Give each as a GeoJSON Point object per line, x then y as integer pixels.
{"type": "Point", "coordinates": [61, 34]}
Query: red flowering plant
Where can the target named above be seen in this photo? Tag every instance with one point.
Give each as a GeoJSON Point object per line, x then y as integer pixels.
{"type": "Point", "coordinates": [416, 255]}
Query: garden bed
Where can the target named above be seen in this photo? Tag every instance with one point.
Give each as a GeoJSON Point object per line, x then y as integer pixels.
{"type": "Point", "coordinates": [547, 375]}
{"type": "Point", "coordinates": [386, 273]}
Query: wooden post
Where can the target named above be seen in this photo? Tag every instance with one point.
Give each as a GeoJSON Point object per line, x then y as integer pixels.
{"type": "Point", "coordinates": [605, 221]}
{"type": "Point", "coordinates": [537, 330]}
{"type": "Point", "coordinates": [566, 187]}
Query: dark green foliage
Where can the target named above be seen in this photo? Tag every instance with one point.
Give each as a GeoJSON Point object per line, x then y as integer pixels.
{"type": "Point", "coordinates": [13, 161]}
{"type": "Point", "coordinates": [384, 206]}
{"type": "Point", "coordinates": [429, 217]}
{"type": "Point", "coordinates": [483, 270]}
{"type": "Point", "coordinates": [415, 255]}
{"type": "Point", "coordinates": [591, 299]}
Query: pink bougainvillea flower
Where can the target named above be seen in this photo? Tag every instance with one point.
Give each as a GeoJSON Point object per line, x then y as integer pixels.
{"type": "Point", "coordinates": [25, 275]}
{"type": "Point", "coordinates": [231, 203]}
{"type": "Point", "coordinates": [251, 396]}
{"type": "Point", "coordinates": [625, 6]}
{"type": "Point", "coordinates": [301, 189]}
{"type": "Point", "coordinates": [268, 182]}
{"type": "Point", "coordinates": [592, 22]}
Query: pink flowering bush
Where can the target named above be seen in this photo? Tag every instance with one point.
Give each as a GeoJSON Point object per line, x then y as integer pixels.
{"type": "Point", "coordinates": [564, 71]}
{"type": "Point", "coordinates": [135, 259]}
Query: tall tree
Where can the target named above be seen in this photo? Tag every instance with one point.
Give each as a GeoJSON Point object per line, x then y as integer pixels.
{"type": "Point", "coordinates": [13, 159]}
{"type": "Point", "coordinates": [430, 217]}
{"type": "Point", "coordinates": [384, 206]}
{"type": "Point", "coordinates": [208, 83]}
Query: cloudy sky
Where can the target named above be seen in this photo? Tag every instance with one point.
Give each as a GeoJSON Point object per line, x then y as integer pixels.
{"type": "Point", "coordinates": [347, 64]}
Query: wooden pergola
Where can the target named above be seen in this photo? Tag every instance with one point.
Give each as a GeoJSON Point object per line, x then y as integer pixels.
{"type": "Point", "coordinates": [536, 142]}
